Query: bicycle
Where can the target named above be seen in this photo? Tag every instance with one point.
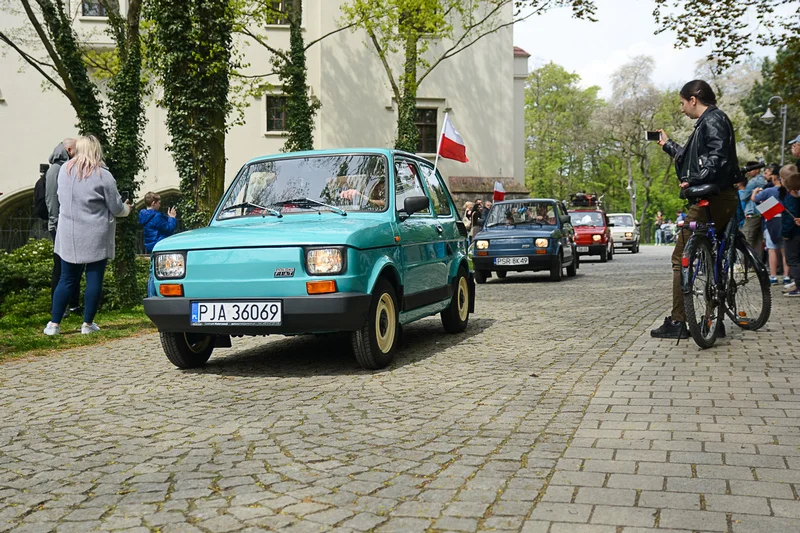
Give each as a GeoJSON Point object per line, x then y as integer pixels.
{"type": "Point", "coordinates": [720, 275]}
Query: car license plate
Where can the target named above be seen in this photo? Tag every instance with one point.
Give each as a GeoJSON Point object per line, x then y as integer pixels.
{"type": "Point", "coordinates": [582, 249]}
{"type": "Point", "coordinates": [511, 261]}
{"type": "Point", "coordinates": [225, 313]}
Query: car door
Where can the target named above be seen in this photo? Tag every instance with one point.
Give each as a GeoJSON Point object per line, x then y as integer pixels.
{"type": "Point", "coordinates": [419, 239]}
{"type": "Point", "coordinates": [445, 213]}
{"type": "Point", "coordinates": [565, 233]}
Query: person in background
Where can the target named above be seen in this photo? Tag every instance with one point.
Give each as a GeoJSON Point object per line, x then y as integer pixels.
{"type": "Point", "coordinates": [467, 220]}
{"type": "Point", "coordinates": [790, 222]}
{"type": "Point", "coordinates": [157, 226]}
{"type": "Point", "coordinates": [659, 232]}
{"type": "Point", "coordinates": [61, 154]}
{"type": "Point", "coordinates": [753, 228]}
{"type": "Point", "coordinates": [90, 201]}
{"type": "Point", "coordinates": [477, 217]}
{"type": "Point", "coordinates": [794, 144]}
{"type": "Point", "coordinates": [773, 226]}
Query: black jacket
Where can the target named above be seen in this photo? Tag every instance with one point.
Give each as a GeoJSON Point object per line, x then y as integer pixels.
{"type": "Point", "coordinates": [710, 153]}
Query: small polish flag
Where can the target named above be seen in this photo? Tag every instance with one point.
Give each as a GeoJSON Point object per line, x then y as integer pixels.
{"type": "Point", "coordinates": [451, 145]}
{"type": "Point", "coordinates": [499, 192]}
{"type": "Point", "coordinates": [770, 207]}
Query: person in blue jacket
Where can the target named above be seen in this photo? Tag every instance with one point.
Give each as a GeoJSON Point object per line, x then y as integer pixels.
{"type": "Point", "coordinates": [791, 230]}
{"type": "Point", "coordinates": [157, 226]}
{"type": "Point", "coordinates": [773, 226]}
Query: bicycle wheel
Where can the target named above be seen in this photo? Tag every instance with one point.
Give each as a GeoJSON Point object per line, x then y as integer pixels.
{"type": "Point", "coordinates": [749, 300]}
{"type": "Point", "coordinates": [700, 301]}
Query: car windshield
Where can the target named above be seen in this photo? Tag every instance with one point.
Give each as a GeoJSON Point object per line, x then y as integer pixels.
{"type": "Point", "coordinates": [522, 212]}
{"type": "Point", "coordinates": [621, 220]}
{"type": "Point", "coordinates": [586, 218]}
{"type": "Point", "coordinates": [336, 183]}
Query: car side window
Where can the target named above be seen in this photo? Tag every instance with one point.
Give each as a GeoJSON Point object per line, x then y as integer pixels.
{"type": "Point", "coordinates": [437, 193]}
{"type": "Point", "coordinates": [407, 183]}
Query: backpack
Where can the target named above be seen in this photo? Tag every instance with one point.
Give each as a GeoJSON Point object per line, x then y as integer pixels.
{"type": "Point", "coordinates": [39, 202]}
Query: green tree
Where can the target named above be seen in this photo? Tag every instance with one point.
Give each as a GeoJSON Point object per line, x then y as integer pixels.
{"type": "Point", "coordinates": [192, 45]}
{"type": "Point", "coordinates": [117, 122]}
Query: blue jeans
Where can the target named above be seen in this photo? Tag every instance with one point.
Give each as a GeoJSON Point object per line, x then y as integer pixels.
{"type": "Point", "coordinates": [70, 277]}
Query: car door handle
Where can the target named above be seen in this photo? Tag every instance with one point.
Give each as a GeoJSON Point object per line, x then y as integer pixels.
{"type": "Point", "coordinates": [439, 228]}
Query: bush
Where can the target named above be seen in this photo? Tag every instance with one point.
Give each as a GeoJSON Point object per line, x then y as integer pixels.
{"type": "Point", "coordinates": [25, 277]}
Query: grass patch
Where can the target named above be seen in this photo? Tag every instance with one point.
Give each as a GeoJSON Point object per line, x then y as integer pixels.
{"type": "Point", "coordinates": [23, 335]}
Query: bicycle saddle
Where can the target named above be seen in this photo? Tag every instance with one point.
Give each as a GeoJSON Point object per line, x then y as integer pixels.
{"type": "Point", "coordinates": [700, 191]}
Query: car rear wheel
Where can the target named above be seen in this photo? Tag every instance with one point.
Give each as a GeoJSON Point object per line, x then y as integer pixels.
{"type": "Point", "coordinates": [456, 317]}
{"type": "Point", "coordinates": [375, 342]}
{"type": "Point", "coordinates": [557, 269]}
{"type": "Point", "coordinates": [482, 275]}
{"type": "Point", "coordinates": [501, 274]}
{"type": "Point", "coordinates": [187, 350]}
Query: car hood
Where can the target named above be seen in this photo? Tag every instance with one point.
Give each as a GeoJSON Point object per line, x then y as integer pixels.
{"type": "Point", "coordinates": [623, 229]}
{"type": "Point", "coordinates": [291, 230]}
{"type": "Point", "coordinates": [531, 231]}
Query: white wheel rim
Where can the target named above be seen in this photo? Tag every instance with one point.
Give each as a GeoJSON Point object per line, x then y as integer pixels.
{"type": "Point", "coordinates": [462, 298]}
{"type": "Point", "coordinates": [385, 323]}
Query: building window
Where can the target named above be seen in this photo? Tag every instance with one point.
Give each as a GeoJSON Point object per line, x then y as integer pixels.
{"type": "Point", "coordinates": [286, 7]}
{"type": "Point", "coordinates": [93, 8]}
{"type": "Point", "coordinates": [276, 113]}
{"type": "Point", "coordinates": [426, 126]}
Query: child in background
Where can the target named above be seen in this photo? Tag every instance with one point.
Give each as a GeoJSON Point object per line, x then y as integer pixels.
{"type": "Point", "coordinates": [791, 230]}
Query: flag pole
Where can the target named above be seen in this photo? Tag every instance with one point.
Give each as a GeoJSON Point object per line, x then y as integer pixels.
{"type": "Point", "coordinates": [439, 145]}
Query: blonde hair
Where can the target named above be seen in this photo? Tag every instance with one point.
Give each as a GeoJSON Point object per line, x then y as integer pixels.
{"type": "Point", "coordinates": [88, 157]}
{"type": "Point", "coordinates": [787, 170]}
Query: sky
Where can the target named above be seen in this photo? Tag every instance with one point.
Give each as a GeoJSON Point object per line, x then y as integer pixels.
{"type": "Point", "coordinates": [594, 50]}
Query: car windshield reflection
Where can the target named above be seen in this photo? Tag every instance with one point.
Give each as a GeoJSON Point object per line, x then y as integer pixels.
{"type": "Point", "coordinates": [522, 213]}
{"type": "Point", "coordinates": [586, 219]}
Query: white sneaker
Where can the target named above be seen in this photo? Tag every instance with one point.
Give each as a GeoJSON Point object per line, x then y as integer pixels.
{"type": "Point", "coordinates": [790, 286]}
{"type": "Point", "coordinates": [89, 328]}
{"type": "Point", "coordinates": [52, 329]}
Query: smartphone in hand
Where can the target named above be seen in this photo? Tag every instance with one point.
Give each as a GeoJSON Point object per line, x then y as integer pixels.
{"type": "Point", "coordinates": [653, 136]}
{"type": "Point", "coordinates": [125, 195]}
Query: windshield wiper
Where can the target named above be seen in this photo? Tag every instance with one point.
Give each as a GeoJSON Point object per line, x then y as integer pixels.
{"type": "Point", "coordinates": [273, 212]}
{"type": "Point", "coordinates": [530, 222]}
{"type": "Point", "coordinates": [306, 202]}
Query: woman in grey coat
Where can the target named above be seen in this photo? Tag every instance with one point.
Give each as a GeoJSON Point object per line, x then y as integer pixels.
{"type": "Point", "coordinates": [90, 201]}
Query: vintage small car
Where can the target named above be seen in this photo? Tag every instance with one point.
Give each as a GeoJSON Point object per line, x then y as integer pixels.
{"type": "Point", "coordinates": [359, 241]}
{"type": "Point", "coordinates": [625, 231]}
{"type": "Point", "coordinates": [593, 233]}
{"type": "Point", "coordinates": [525, 235]}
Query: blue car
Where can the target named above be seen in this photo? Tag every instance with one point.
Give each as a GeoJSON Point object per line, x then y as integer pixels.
{"type": "Point", "coordinates": [527, 235]}
{"type": "Point", "coordinates": [354, 241]}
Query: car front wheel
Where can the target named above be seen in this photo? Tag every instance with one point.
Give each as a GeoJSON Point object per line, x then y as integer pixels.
{"type": "Point", "coordinates": [375, 342]}
{"type": "Point", "coordinates": [187, 350]}
{"type": "Point", "coordinates": [556, 270]}
{"type": "Point", "coordinates": [456, 317]}
{"type": "Point", "coordinates": [482, 275]}
{"type": "Point", "coordinates": [501, 274]}
{"type": "Point", "coordinates": [572, 269]}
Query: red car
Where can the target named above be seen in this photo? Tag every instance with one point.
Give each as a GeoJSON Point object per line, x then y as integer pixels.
{"type": "Point", "coordinates": [592, 232]}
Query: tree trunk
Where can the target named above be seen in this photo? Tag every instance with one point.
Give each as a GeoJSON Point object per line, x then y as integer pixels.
{"type": "Point", "coordinates": [300, 110]}
{"type": "Point", "coordinates": [407, 133]}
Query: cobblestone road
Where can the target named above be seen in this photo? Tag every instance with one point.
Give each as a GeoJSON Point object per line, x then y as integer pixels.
{"type": "Point", "coordinates": [555, 412]}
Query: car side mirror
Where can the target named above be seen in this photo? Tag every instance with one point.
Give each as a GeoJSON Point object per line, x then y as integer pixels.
{"type": "Point", "coordinates": [636, 222]}
{"type": "Point", "coordinates": [415, 204]}
{"type": "Point", "coordinates": [565, 219]}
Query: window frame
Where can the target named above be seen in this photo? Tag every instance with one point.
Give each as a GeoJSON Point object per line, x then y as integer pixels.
{"type": "Point", "coordinates": [435, 124]}
{"type": "Point", "coordinates": [93, 17]}
{"type": "Point", "coordinates": [284, 22]}
{"type": "Point", "coordinates": [436, 176]}
{"type": "Point", "coordinates": [267, 130]}
{"type": "Point", "coordinates": [418, 177]}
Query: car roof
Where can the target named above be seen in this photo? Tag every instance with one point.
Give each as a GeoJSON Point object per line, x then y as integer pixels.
{"type": "Point", "coordinates": [338, 151]}
{"type": "Point", "coordinates": [619, 214]}
{"type": "Point", "coordinates": [518, 200]}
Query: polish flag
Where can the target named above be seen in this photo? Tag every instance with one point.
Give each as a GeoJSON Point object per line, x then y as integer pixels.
{"type": "Point", "coordinates": [499, 192]}
{"type": "Point", "coordinates": [451, 145]}
{"type": "Point", "coordinates": [770, 207]}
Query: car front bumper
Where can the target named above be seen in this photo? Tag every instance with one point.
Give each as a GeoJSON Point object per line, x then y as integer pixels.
{"type": "Point", "coordinates": [535, 263]}
{"type": "Point", "coordinates": [304, 314]}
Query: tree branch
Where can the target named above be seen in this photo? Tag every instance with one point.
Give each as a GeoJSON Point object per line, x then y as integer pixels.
{"type": "Point", "coordinates": [315, 41]}
{"type": "Point", "coordinates": [382, 56]}
{"type": "Point", "coordinates": [262, 42]}
{"type": "Point", "coordinates": [48, 46]}
{"type": "Point", "coordinates": [35, 63]}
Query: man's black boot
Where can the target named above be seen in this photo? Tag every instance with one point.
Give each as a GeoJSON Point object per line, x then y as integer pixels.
{"type": "Point", "coordinates": [670, 329]}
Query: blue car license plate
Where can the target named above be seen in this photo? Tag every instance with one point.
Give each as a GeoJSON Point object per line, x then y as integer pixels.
{"type": "Point", "coordinates": [227, 313]}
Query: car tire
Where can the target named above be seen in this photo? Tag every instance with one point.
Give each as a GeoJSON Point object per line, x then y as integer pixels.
{"type": "Point", "coordinates": [501, 274]}
{"type": "Point", "coordinates": [604, 255]}
{"type": "Point", "coordinates": [187, 350]}
{"type": "Point", "coordinates": [572, 269]}
{"type": "Point", "coordinates": [482, 275]}
{"type": "Point", "coordinates": [636, 248]}
{"type": "Point", "coordinates": [375, 342]}
{"type": "Point", "coordinates": [456, 317]}
{"type": "Point", "coordinates": [577, 258]}
{"type": "Point", "coordinates": [611, 252]}
{"type": "Point", "coordinates": [557, 269]}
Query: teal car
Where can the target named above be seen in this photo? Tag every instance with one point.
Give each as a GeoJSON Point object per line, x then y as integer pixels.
{"type": "Point", "coordinates": [357, 241]}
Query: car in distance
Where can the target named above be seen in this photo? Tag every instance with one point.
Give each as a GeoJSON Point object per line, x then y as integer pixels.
{"type": "Point", "coordinates": [525, 235]}
{"type": "Point", "coordinates": [357, 241]}
{"type": "Point", "coordinates": [592, 233]}
{"type": "Point", "coordinates": [625, 231]}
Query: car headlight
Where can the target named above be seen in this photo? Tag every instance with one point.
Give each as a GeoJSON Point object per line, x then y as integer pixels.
{"type": "Point", "coordinates": [541, 243]}
{"type": "Point", "coordinates": [596, 238]}
{"type": "Point", "coordinates": [170, 265]}
{"type": "Point", "coordinates": [325, 261]}
{"type": "Point", "coordinates": [629, 235]}
{"type": "Point", "coordinates": [482, 245]}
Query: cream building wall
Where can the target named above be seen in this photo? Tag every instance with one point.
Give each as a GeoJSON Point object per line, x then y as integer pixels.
{"type": "Point", "coordinates": [479, 88]}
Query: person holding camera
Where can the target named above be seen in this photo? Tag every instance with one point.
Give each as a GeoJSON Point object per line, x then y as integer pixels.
{"type": "Point", "coordinates": [89, 200]}
{"type": "Point", "coordinates": [61, 154]}
{"type": "Point", "coordinates": [709, 156]}
{"type": "Point", "coordinates": [157, 226]}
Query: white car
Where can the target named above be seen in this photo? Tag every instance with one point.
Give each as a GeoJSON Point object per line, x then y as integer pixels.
{"type": "Point", "coordinates": [625, 231]}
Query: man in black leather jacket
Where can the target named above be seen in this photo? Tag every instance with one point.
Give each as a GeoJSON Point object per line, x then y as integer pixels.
{"type": "Point", "coordinates": [709, 157]}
